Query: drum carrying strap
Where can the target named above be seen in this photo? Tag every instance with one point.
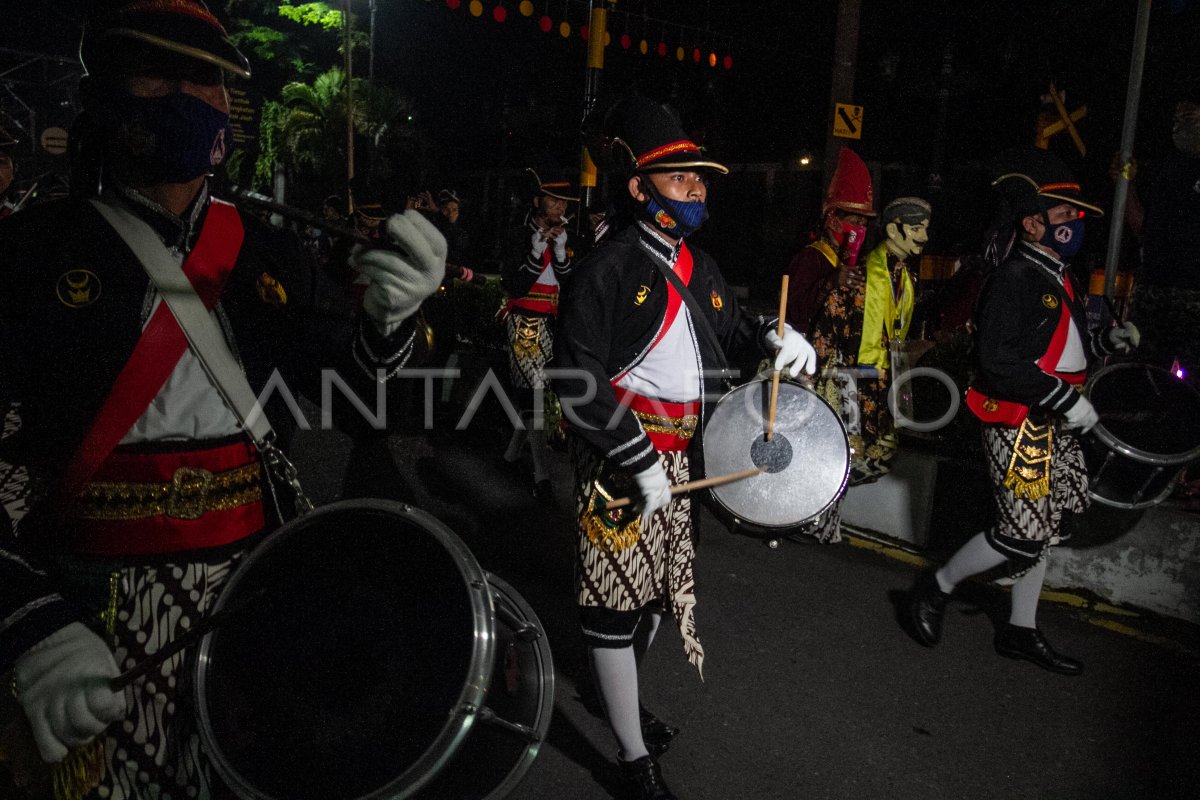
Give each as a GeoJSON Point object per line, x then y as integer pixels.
{"type": "Point", "coordinates": [696, 311]}
{"type": "Point", "coordinates": [206, 341]}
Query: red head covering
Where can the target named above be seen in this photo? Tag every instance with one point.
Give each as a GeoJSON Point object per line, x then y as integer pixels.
{"type": "Point", "coordinates": [850, 188]}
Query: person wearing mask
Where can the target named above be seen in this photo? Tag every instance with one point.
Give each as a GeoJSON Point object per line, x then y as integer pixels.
{"type": "Point", "coordinates": [146, 485]}
{"type": "Point", "coordinates": [1033, 347]}
{"type": "Point", "coordinates": [645, 328]}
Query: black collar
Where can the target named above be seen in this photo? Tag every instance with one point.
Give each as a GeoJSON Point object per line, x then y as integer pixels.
{"type": "Point", "coordinates": [1049, 263]}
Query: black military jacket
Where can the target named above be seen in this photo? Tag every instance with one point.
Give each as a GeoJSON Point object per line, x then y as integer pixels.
{"type": "Point", "coordinates": [610, 313]}
{"type": "Point", "coordinates": [72, 305]}
{"type": "Point", "coordinates": [1017, 314]}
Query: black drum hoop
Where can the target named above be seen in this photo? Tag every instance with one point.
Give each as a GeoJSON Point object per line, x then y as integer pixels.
{"type": "Point", "coordinates": [469, 701]}
{"type": "Point", "coordinates": [1128, 450]}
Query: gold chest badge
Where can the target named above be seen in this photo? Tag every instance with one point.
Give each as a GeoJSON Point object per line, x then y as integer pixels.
{"type": "Point", "coordinates": [78, 288]}
{"type": "Point", "coordinates": [271, 291]}
{"type": "Point", "coordinates": [642, 293]}
{"type": "Point", "coordinates": [991, 404]}
{"type": "Point", "coordinates": [1050, 301]}
{"type": "Point", "coordinates": [717, 302]}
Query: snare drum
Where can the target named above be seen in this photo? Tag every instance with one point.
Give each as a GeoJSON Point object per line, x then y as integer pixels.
{"type": "Point", "coordinates": [1149, 430]}
{"type": "Point", "coordinates": [374, 660]}
{"type": "Point", "coordinates": [807, 460]}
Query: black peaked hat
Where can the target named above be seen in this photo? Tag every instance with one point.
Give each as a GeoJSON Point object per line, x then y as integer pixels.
{"type": "Point", "coordinates": [1033, 180]}
{"type": "Point", "coordinates": [185, 27]}
{"type": "Point", "coordinates": [640, 135]}
{"type": "Point", "coordinates": [555, 182]}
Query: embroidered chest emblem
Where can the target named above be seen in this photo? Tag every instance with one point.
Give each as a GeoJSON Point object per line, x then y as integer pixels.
{"type": "Point", "coordinates": [1050, 301]}
{"type": "Point", "coordinates": [78, 288]}
{"type": "Point", "coordinates": [664, 220]}
{"type": "Point", "coordinates": [642, 293]}
{"type": "Point", "coordinates": [991, 404]}
{"type": "Point", "coordinates": [271, 291]}
{"type": "Point", "coordinates": [717, 302]}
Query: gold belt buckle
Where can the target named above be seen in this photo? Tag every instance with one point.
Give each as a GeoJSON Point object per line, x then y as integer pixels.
{"type": "Point", "coordinates": [188, 495]}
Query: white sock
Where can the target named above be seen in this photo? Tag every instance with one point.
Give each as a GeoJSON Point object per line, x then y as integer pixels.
{"type": "Point", "coordinates": [1025, 594]}
{"type": "Point", "coordinates": [615, 669]}
{"type": "Point", "coordinates": [972, 558]}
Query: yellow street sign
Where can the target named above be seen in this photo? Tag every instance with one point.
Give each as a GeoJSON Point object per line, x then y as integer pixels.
{"type": "Point", "coordinates": [847, 121]}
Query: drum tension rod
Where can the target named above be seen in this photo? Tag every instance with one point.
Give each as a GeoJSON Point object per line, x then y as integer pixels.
{"type": "Point", "coordinates": [522, 631]}
{"type": "Point", "coordinates": [492, 718]}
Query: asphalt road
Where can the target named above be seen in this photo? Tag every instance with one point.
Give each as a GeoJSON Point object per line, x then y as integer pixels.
{"type": "Point", "coordinates": [810, 689]}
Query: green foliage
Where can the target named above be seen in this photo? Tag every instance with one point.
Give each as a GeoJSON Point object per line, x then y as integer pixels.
{"type": "Point", "coordinates": [312, 14]}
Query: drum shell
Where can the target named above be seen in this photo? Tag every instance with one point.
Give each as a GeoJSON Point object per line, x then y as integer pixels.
{"type": "Point", "coordinates": [816, 473]}
{"type": "Point", "coordinates": [362, 671]}
{"type": "Point", "coordinates": [1149, 431]}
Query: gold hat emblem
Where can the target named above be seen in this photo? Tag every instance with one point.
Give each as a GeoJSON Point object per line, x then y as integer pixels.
{"type": "Point", "coordinates": [1050, 301]}
{"type": "Point", "coordinates": [78, 288]}
{"type": "Point", "coordinates": [642, 293]}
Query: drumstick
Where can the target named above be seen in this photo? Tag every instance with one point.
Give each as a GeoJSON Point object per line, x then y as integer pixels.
{"type": "Point", "coordinates": [691, 486]}
{"type": "Point", "coordinates": [183, 641]}
{"type": "Point", "coordinates": [775, 378]}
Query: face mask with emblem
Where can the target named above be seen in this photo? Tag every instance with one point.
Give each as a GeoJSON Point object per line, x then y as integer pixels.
{"type": "Point", "coordinates": [173, 138]}
{"type": "Point", "coordinates": [1066, 238]}
{"type": "Point", "coordinates": [674, 218]}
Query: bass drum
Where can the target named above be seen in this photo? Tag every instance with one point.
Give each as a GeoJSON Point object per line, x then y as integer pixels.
{"type": "Point", "coordinates": [806, 462]}
{"type": "Point", "coordinates": [1149, 430]}
{"type": "Point", "coordinates": [368, 656]}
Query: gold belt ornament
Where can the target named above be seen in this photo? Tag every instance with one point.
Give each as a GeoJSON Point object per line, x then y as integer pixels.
{"type": "Point", "coordinates": [190, 494]}
{"type": "Point", "coordinates": [548, 297]}
{"type": "Point", "coordinates": [683, 427]}
{"type": "Point", "coordinates": [527, 338]}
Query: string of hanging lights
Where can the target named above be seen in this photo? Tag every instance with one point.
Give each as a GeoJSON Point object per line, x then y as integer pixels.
{"type": "Point", "coordinates": [700, 46]}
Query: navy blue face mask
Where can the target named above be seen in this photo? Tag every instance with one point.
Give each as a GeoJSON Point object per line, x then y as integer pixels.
{"type": "Point", "coordinates": [173, 138]}
{"type": "Point", "coordinates": [675, 218]}
{"type": "Point", "coordinates": [1066, 238]}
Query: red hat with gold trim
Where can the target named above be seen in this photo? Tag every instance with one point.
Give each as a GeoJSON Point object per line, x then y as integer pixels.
{"type": "Point", "coordinates": [185, 27]}
{"type": "Point", "coordinates": [640, 135]}
{"type": "Point", "coordinates": [850, 187]}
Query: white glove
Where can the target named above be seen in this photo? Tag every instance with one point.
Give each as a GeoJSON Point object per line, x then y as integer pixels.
{"type": "Point", "coordinates": [1125, 337]}
{"type": "Point", "coordinates": [399, 281]}
{"type": "Point", "coordinates": [538, 244]}
{"type": "Point", "coordinates": [795, 353]}
{"type": "Point", "coordinates": [62, 684]}
{"type": "Point", "coordinates": [1082, 415]}
{"type": "Point", "coordinates": [655, 488]}
{"type": "Point", "coordinates": [560, 246]}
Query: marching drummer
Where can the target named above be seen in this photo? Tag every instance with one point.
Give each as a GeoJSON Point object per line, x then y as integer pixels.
{"type": "Point", "coordinates": [647, 321]}
{"type": "Point", "coordinates": [1033, 344]}
{"type": "Point", "coordinates": [144, 486]}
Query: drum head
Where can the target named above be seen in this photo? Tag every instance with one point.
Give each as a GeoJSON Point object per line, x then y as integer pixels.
{"type": "Point", "coordinates": [1147, 413]}
{"type": "Point", "coordinates": [807, 459]}
{"type": "Point", "coordinates": [354, 670]}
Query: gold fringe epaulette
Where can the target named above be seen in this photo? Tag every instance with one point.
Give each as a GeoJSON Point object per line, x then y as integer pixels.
{"type": "Point", "coordinates": [1028, 473]}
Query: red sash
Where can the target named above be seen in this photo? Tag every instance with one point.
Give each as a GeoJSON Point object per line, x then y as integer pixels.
{"type": "Point", "coordinates": [1008, 413]}
{"type": "Point", "coordinates": [670, 426]}
{"type": "Point", "coordinates": [160, 347]}
{"type": "Point", "coordinates": [541, 298]}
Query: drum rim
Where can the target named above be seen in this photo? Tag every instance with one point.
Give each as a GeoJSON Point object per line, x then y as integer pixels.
{"type": "Point", "coordinates": [466, 707]}
{"type": "Point", "coordinates": [545, 658]}
{"type": "Point", "coordinates": [841, 490]}
{"type": "Point", "coordinates": [1129, 451]}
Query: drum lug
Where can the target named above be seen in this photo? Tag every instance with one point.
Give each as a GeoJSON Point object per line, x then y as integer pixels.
{"type": "Point", "coordinates": [524, 731]}
{"type": "Point", "coordinates": [522, 631]}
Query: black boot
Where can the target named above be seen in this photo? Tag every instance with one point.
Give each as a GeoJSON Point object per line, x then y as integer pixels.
{"type": "Point", "coordinates": [1013, 641]}
{"type": "Point", "coordinates": [926, 608]}
{"type": "Point", "coordinates": [645, 780]}
{"type": "Point", "coordinates": [655, 733]}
